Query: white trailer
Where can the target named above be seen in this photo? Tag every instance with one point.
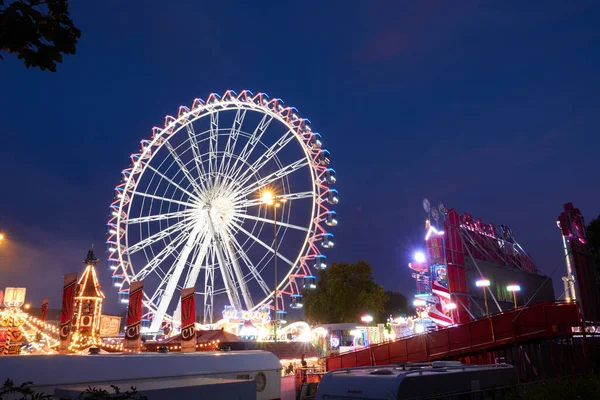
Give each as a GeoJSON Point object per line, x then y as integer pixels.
{"type": "Point", "coordinates": [50, 372]}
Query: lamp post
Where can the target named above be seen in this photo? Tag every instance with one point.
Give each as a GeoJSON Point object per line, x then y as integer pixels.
{"type": "Point", "coordinates": [514, 289]}
{"type": "Point", "coordinates": [484, 283]}
{"type": "Point", "coordinates": [451, 307]}
{"type": "Point", "coordinates": [367, 319]}
{"type": "Point", "coordinates": [270, 199]}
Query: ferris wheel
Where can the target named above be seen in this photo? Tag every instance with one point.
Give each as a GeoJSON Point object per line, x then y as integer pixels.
{"type": "Point", "coordinates": [190, 209]}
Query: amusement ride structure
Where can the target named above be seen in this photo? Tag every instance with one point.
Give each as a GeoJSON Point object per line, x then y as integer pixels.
{"type": "Point", "coordinates": [218, 197]}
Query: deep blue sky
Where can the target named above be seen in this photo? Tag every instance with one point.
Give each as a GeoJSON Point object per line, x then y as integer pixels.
{"type": "Point", "coordinates": [491, 107]}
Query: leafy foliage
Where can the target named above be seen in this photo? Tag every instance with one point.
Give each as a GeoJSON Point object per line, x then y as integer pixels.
{"type": "Point", "coordinates": [593, 238]}
{"type": "Point", "coordinates": [10, 391]}
{"type": "Point", "coordinates": [38, 31]}
{"type": "Point", "coordinates": [101, 394]}
{"type": "Point", "coordinates": [395, 305]}
{"type": "Point", "coordinates": [344, 292]}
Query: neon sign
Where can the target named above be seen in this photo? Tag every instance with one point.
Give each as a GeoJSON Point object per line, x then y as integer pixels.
{"type": "Point", "coordinates": [262, 314]}
{"type": "Point", "coordinates": [467, 222]}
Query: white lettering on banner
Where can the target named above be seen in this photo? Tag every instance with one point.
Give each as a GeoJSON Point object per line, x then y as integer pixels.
{"type": "Point", "coordinates": [133, 331]}
{"type": "Point", "coordinates": [187, 333]}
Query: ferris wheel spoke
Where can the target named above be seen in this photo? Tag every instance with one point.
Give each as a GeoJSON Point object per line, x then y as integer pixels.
{"type": "Point", "coordinates": [270, 221]}
{"type": "Point", "coordinates": [271, 178]}
{"type": "Point", "coordinates": [213, 143]}
{"type": "Point", "coordinates": [155, 197]}
{"type": "Point", "coordinates": [158, 217]}
{"type": "Point", "coordinates": [263, 244]}
{"type": "Point", "coordinates": [159, 235]}
{"type": "Point", "coordinates": [196, 153]}
{"type": "Point", "coordinates": [267, 156]}
{"type": "Point", "coordinates": [232, 294]}
{"type": "Point", "coordinates": [253, 270]}
{"type": "Point", "coordinates": [163, 176]}
{"type": "Point", "coordinates": [173, 280]}
{"type": "Point", "coordinates": [186, 172]}
{"type": "Point", "coordinates": [238, 272]}
{"type": "Point", "coordinates": [232, 138]}
{"type": "Point", "coordinates": [159, 258]}
{"type": "Point", "coordinates": [250, 145]}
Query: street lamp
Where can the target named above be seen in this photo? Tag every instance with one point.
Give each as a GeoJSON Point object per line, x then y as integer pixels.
{"type": "Point", "coordinates": [367, 319]}
{"type": "Point", "coordinates": [27, 306]}
{"type": "Point", "coordinates": [451, 307]}
{"type": "Point", "coordinates": [419, 257]}
{"type": "Point", "coordinates": [484, 283]}
{"type": "Point", "coordinates": [1, 236]}
{"type": "Point", "coordinates": [270, 199]}
{"type": "Point", "coordinates": [514, 289]}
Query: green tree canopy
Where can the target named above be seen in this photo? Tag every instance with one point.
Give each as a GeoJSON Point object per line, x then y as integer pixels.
{"type": "Point", "coordinates": [39, 32]}
{"type": "Point", "coordinates": [395, 305]}
{"type": "Point", "coordinates": [344, 292]}
{"type": "Point", "coordinates": [593, 239]}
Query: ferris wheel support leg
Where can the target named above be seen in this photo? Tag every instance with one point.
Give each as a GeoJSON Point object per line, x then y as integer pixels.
{"type": "Point", "coordinates": [238, 274]}
{"type": "Point", "coordinates": [174, 279]}
{"type": "Point", "coordinates": [209, 284]}
{"type": "Point", "coordinates": [232, 294]}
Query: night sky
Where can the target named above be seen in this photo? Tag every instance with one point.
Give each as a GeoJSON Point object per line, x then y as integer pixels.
{"type": "Point", "coordinates": [490, 107]}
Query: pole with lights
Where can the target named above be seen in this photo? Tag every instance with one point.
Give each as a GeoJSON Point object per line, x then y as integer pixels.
{"type": "Point", "coordinates": [367, 319]}
{"type": "Point", "coordinates": [270, 199]}
{"type": "Point", "coordinates": [451, 307]}
{"type": "Point", "coordinates": [484, 283]}
{"type": "Point", "coordinates": [514, 289]}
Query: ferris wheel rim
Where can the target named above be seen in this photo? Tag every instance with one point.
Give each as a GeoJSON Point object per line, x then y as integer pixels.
{"type": "Point", "coordinates": [175, 125]}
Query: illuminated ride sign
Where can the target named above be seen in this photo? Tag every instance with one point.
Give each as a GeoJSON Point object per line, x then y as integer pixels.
{"type": "Point", "coordinates": [14, 297]}
{"type": "Point", "coordinates": [501, 232]}
{"type": "Point", "coordinates": [261, 315]}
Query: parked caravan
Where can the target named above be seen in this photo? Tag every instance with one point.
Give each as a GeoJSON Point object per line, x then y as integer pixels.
{"type": "Point", "coordinates": [63, 371]}
{"type": "Point", "coordinates": [436, 380]}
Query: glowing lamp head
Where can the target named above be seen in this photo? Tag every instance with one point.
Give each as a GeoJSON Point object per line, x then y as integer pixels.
{"type": "Point", "coordinates": [267, 197]}
{"type": "Point", "coordinates": [366, 318]}
{"type": "Point", "coordinates": [419, 257]}
{"type": "Point", "coordinates": [482, 283]}
{"type": "Point", "coordinates": [513, 288]}
{"type": "Point", "coordinates": [1, 237]}
{"type": "Point", "coordinates": [27, 306]}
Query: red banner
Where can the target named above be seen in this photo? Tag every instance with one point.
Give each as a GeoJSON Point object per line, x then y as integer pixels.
{"type": "Point", "coordinates": [134, 316]}
{"type": "Point", "coordinates": [188, 320]}
{"type": "Point", "coordinates": [44, 310]}
{"type": "Point", "coordinates": [66, 313]}
{"type": "Point", "coordinates": [4, 341]}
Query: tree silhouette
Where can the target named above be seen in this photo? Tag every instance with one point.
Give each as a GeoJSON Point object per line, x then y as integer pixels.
{"type": "Point", "coordinates": [39, 32]}
{"type": "Point", "coordinates": [344, 292]}
{"type": "Point", "coordinates": [593, 239]}
{"type": "Point", "coordinates": [395, 305]}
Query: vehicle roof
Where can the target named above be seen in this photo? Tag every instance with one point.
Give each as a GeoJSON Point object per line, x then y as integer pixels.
{"type": "Point", "coordinates": [75, 369]}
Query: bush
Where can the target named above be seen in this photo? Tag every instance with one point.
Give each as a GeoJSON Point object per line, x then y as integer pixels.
{"type": "Point", "coordinates": [27, 393]}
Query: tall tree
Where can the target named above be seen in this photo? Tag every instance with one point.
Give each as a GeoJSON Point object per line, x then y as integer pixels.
{"type": "Point", "coordinates": [344, 292]}
{"type": "Point", "coordinates": [38, 31]}
{"type": "Point", "coordinates": [395, 305]}
{"type": "Point", "coordinates": [593, 238]}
